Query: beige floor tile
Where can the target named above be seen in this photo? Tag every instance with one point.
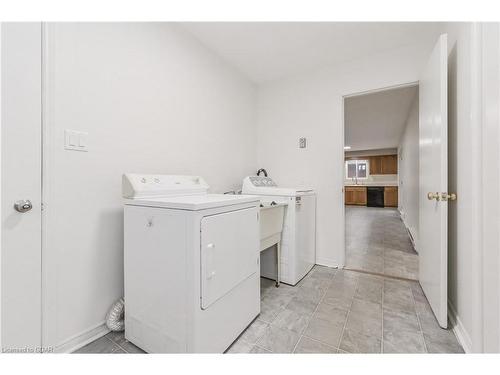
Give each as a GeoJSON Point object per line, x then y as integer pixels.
{"type": "Point", "coordinates": [365, 323]}
{"type": "Point", "coordinates": [309, 346]}
{"type": "Point", "coordinates": [356, 342]}
{"type": "Point", "coordinates": [289, 319]}
{"type": "Point", "coordinates": [324, 331]}
{"type": "Point", "coordinates": [254, 332]}
{"type": "Point", "coordinates": [279, 340]}
{"type": "Point", "coordinates": [403, 342]}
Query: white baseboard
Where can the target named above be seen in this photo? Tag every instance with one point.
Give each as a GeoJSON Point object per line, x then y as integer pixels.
{"type": "Point", "coordinates": [327, 262]}
{"type": "Point", "coordinates": [82, 339]}
{"type": "Point", "coordinates": [459, 330]}
{"type": "Point", "coordinates": [412, 234]}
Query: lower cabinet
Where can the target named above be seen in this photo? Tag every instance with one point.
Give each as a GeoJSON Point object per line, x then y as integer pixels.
{"type": "Point", "coordinates": [390, 196]}
{"type": "Point", "coordinates": [355, 195]}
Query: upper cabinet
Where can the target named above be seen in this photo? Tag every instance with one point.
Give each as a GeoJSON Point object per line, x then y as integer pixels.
{"type": "Point", "coordinates": [389, 164]}
{"type": "Point", "coordinates": [375, 165]}
{"type": "Point", "coordinates": [384, 164]}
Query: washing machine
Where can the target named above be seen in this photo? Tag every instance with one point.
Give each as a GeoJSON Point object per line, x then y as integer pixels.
{"type": "Point", "coordinates": [298, 243]}
{"type": "Point", "coordinates": [191, 264]}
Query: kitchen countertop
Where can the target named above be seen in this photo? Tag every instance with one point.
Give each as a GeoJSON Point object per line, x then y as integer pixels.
{"type": "Point", "coordinates": [381, 184]}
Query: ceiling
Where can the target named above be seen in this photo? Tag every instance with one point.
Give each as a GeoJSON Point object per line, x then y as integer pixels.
{"type": "Point", "coordinates": [377, 120]}
{"type": "Point", "coordinates": [266, 51]}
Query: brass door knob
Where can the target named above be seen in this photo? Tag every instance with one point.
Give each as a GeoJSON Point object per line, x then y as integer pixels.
{"type": "Point", "coordinates": [431, 196]}
{"type": "Point", "coordinates": [448, 197]}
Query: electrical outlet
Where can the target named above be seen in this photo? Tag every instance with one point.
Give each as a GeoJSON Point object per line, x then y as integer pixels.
{"type": "Point", "coordinates": [302, 142]}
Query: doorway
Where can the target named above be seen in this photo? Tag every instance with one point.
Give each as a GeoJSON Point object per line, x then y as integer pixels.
{"type": "Point", "coordinates": [381, 182]}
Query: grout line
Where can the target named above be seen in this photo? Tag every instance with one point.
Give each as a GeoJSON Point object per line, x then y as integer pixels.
{"type": "Point", "coordinates": [418, 319]}
{"type": "Point", "coordinates": [318, 341]}
{"type": "Point", "coordinates": [379, 274]}
{"type": "Point", "coordinates": [261, 347]}
{"type": "Point", "coordinates": [316, 308]}
{"type": "Point", "coordinates": [116, 344]}
{"type": "Point", "coordinates": [348, 311]}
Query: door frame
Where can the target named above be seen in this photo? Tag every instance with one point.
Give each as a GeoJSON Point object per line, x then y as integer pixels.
{"type": "Point", "coordinates": [1, 208]}
{"type": "Point", "coordinates": [341, 263]}
{"type": "Point", "coordinates": [486, 38]}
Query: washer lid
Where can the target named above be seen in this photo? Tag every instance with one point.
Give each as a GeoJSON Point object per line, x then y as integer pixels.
{"type": "Point", "coordinates": [194, 202]}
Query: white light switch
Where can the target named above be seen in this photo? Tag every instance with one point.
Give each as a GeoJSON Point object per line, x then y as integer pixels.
{"type": "Point", "coordinates": [82, 141]}
{"type": "Point", "coordinates": [75, 140]}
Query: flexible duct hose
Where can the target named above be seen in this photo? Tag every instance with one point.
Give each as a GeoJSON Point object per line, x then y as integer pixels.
{"type": "Point", "coordinates": [115, 319]}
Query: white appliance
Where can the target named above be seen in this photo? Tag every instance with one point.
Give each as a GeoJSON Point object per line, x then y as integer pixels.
{"type": "Point", "coordinates": [191, 264]}
{"type": "Point", "coordinates": [298, 244]}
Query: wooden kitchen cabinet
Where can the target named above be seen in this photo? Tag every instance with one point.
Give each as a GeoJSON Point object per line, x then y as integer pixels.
{"type": "Point", "coordinates": [384, 164]}
{"type": "Point", "coordinates": [355, 195]}
{"type": "Point", "coordinates": [348, 195]}
{"type": "Point", "coordinates": [389, 164]}
{"type": "Point", "coordinates": [375, 165]}
{"type": "Point", "coordinates": [390, 196]}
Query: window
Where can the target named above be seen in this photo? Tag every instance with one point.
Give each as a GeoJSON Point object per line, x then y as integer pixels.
{"type": "Point", "coordinates": [357, 168]}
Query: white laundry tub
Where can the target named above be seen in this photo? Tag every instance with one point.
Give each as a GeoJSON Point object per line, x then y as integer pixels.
{"type": "Point", "coordinates": [271, 227]}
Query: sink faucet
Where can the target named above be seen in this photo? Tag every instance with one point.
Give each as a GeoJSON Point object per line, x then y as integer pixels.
{"type": "Point", "coordinates": [262, 170]}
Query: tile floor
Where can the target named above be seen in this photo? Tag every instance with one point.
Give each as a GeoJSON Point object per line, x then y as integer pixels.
{"type": "Point", "coordinates": [332, 311]}
{"type": "Point", "coordinates": [340, 311]}
{"type": "Point", "coordinates": [377, 241]}
{"type": "Point", "coordinates": [112, 343]}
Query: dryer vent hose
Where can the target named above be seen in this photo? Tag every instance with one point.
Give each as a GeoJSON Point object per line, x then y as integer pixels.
{"type": "Point", "coordinates": [115, 319]}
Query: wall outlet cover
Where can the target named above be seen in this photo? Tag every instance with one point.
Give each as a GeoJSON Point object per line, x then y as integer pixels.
{"type": "Point", "coordinates": [302, 142]}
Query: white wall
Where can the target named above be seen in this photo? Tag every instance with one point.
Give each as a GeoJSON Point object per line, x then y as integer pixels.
{"type": "Point", "coordinates": [310, 106]}
{"type": "Point", "coordinates": [408, 172]}
{"type": "Point", "coordinates": [153, 100]}
{"type": "Point", "coordinates": [473, 174]}
{"type": "Point", "coordinates": [491, 185]}
{"type": "Point", "coordinates": [463, 179]}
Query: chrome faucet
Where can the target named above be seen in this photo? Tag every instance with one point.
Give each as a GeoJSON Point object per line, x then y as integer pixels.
{"type": "Point", "coordinates": [262, 170]}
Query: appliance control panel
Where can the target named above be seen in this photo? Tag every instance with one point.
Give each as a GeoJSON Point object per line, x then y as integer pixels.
{"type": "Point", "coordinates": [149, 186]}
{"type": "Point", "coordinates": [262, 181]}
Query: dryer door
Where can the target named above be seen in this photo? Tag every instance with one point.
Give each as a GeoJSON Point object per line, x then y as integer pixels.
{"type": "Point", "coordinates": [229, 252]}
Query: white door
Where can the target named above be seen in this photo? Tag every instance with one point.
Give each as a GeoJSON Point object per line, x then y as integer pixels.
{"type": "Point", "coordinates": [20, 293]}
{"type": "Point", "coordinates": [433, 139]}
{"type": "Point", "coordinates": [229, 252]}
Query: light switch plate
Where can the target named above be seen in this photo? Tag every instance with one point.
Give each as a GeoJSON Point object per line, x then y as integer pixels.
{"type": "Point", "coordinates": [75, 140]}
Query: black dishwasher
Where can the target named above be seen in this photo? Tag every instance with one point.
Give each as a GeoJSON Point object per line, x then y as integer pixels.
{"type": "Point", "coordinates": [375, 196]}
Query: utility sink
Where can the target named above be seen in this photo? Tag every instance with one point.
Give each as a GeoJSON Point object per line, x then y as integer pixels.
{"type": "Point", "coordinates": [271, 226]}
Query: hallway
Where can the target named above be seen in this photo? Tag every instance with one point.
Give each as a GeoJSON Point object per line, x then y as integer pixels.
{"type": "Point", "coordinates": [377, 242]}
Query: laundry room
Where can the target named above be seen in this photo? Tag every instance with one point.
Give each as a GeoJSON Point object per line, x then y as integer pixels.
{"type": "Point", "coordinates": [217, 187]}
